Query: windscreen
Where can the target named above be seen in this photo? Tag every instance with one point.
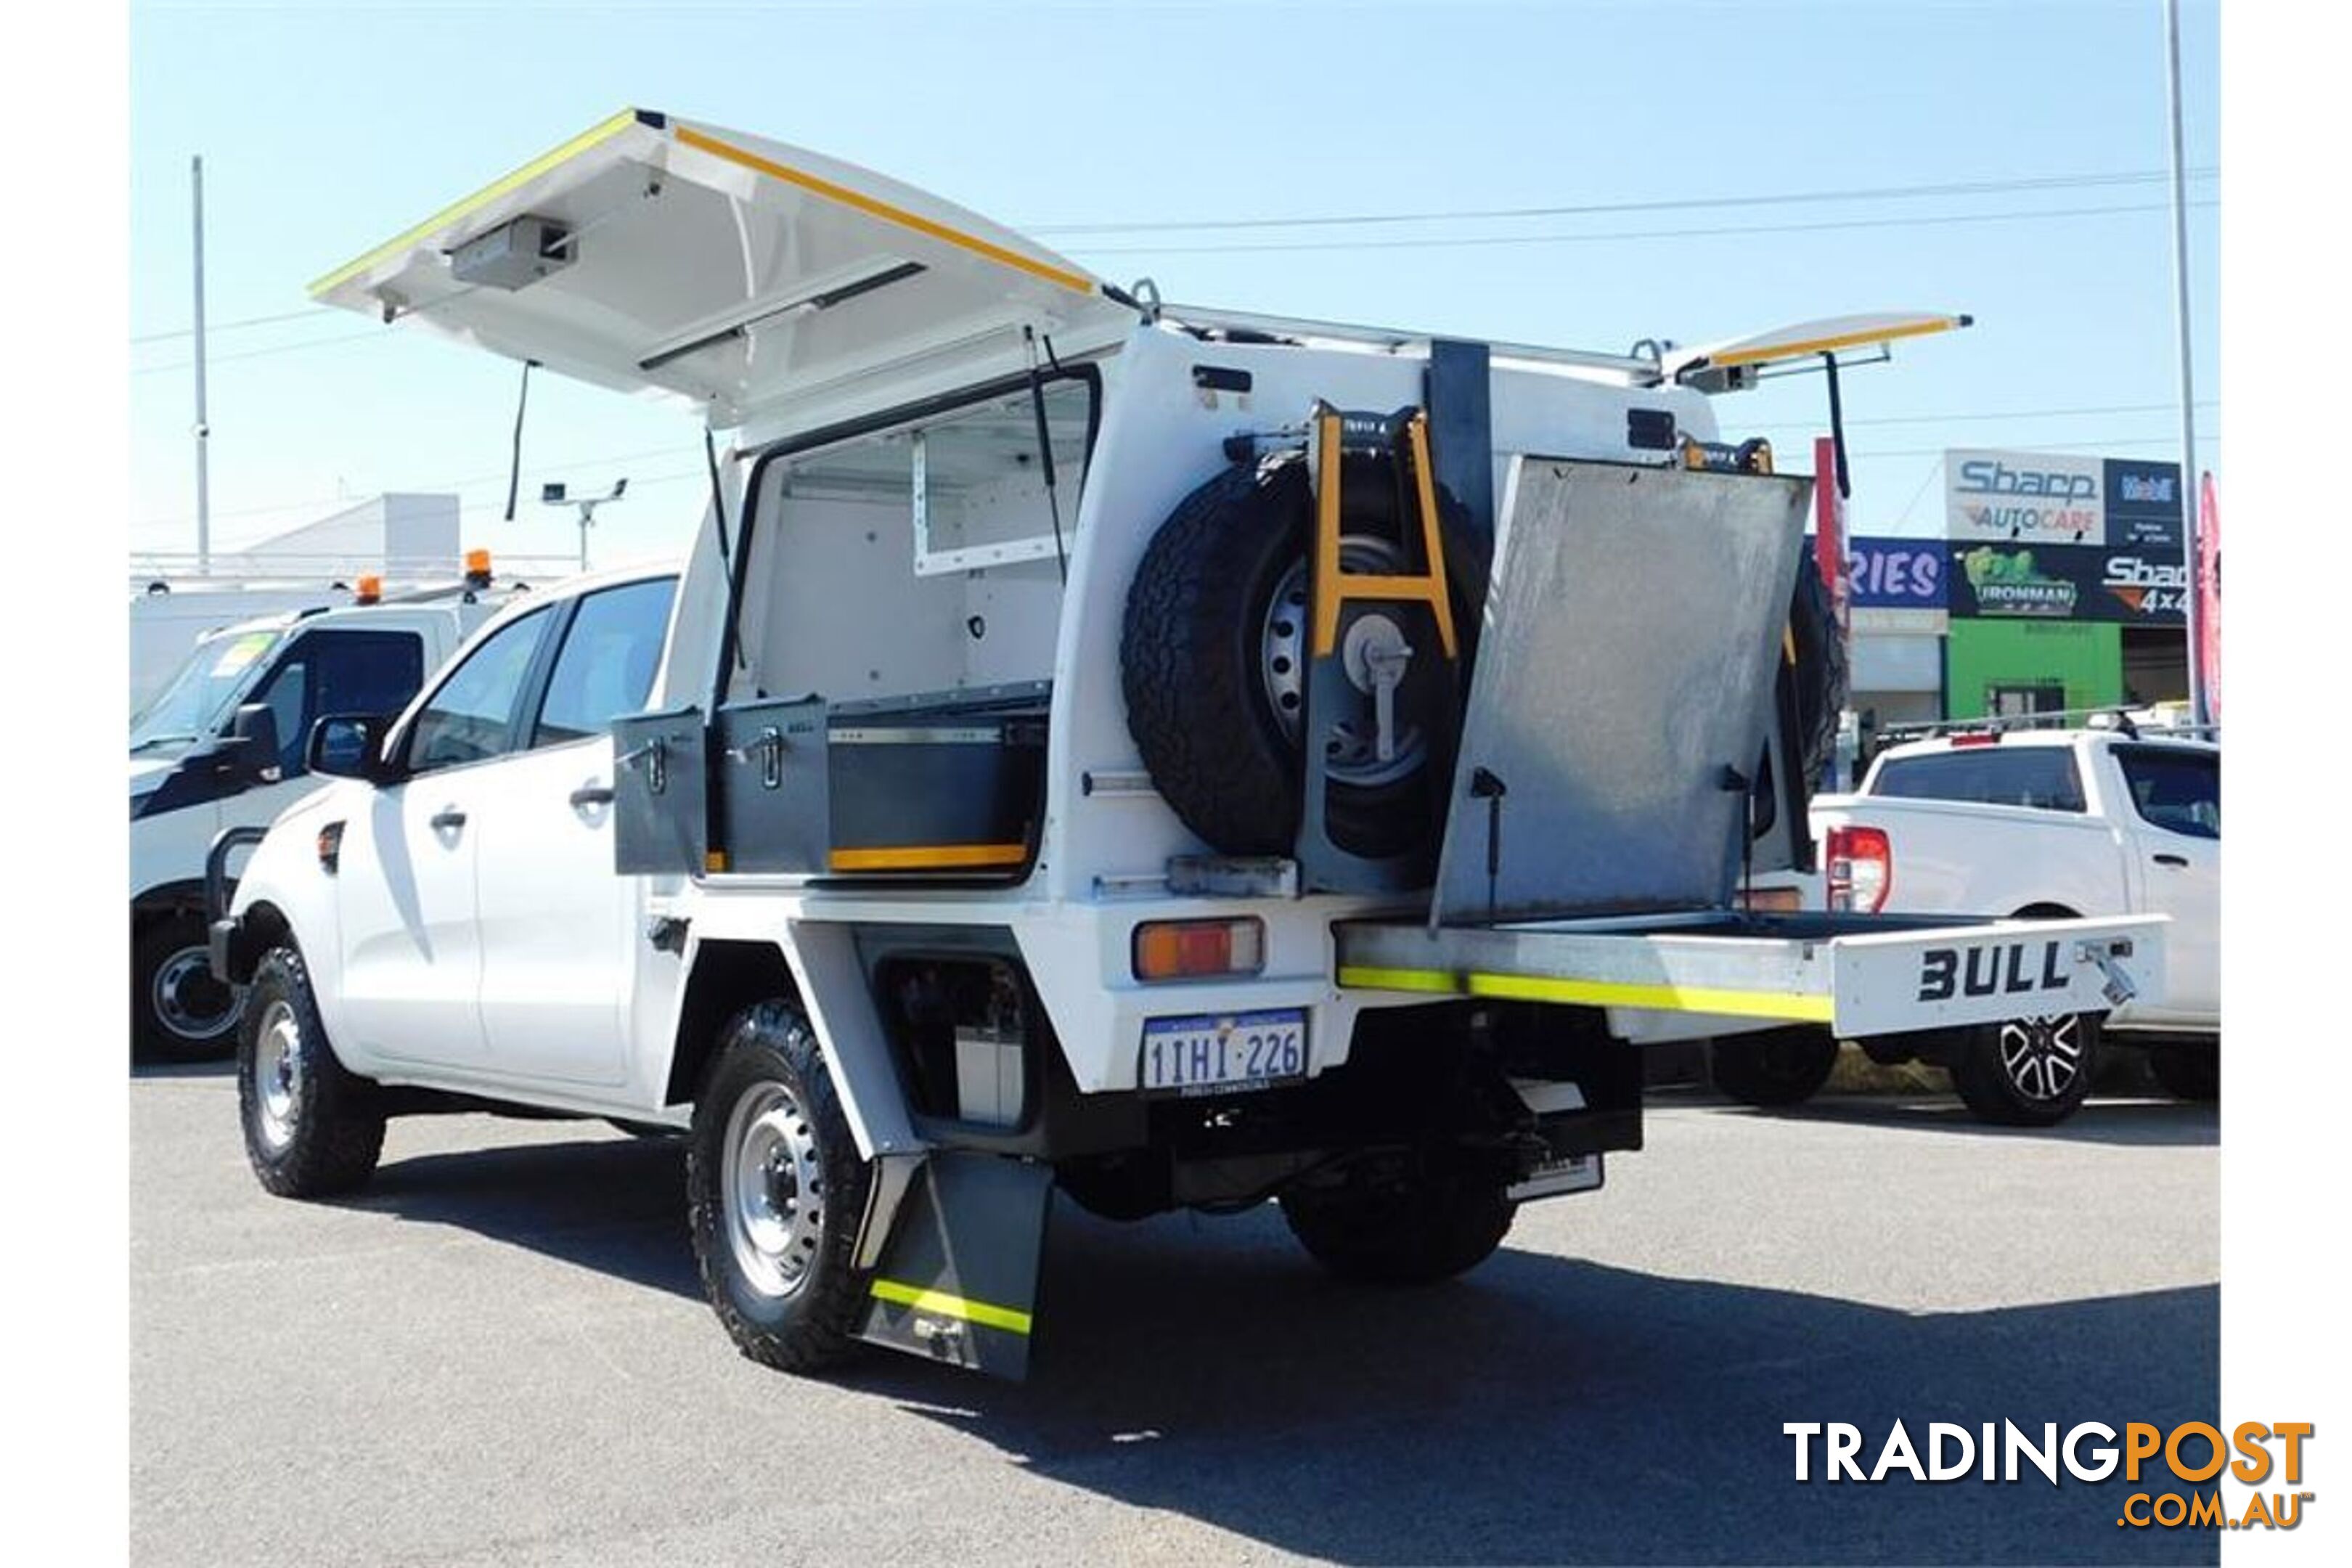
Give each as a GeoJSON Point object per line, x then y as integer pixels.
{"type": "Point", "coordinates": [199, 694]}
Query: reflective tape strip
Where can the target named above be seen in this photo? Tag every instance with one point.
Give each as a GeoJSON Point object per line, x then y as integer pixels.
{"type": "Point", "coordinates": [1792, 1005]}
{"type": "Point", "coordinates": [884, 210]}
{"type": "Point", "coordinates": [929, 857]}
{"type": "Point", "coordinates": [947, 1305]}
{"type": "Point", "coordinates": [480, 199]}
{"type": "Point", "coordinates": [1769, 354]}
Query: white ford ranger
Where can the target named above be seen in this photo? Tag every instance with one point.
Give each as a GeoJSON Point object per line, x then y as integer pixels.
{"type": "Point", "coordinates": [1176, 758]}
{"type": "Point", "coordinates": [2036, 822]}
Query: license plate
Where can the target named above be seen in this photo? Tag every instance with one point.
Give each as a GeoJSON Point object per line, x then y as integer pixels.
{"type": "Point", "coordinates": [1224, 1053]}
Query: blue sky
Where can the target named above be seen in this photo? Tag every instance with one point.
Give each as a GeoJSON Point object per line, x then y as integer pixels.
{"type": "Point", "coordinates": [325, 130]}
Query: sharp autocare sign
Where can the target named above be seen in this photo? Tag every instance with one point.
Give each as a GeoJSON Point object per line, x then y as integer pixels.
{"type": "Point", "coordinates": [2032, 497]}
{"type": "Point", "coordinates": [2173, 1475]}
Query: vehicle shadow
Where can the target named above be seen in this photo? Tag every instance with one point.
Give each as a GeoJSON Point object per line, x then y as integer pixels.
{"type": "Point", "coordinates": [1540, 1409]}
{"type": "Point", "coordinates": [2153, 1124]}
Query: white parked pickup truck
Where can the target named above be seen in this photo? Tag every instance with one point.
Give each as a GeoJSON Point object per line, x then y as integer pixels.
{"type": "Point", "coordinates": [1092, 746]}
{"type": "Point", "coordinates": [2039, 824]}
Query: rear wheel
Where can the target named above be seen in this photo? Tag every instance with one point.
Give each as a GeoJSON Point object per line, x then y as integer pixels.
{"type": "Point", "coordinates": [1425, 1225]}
{"type": "Point", "coordinates": [179, 1011]}
{"type": "Point", "coordinates": [1774, 1067]}
{"type": "Point", "coordinates": [2188, 1071]}
{"type": "Point", "coordinates": [2027, 1072]}
{"type": "Point", "coordinates": [774, 1190]}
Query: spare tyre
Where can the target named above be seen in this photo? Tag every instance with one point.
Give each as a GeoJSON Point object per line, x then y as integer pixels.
{"type": "Point", "coordinates": [1213, 663]}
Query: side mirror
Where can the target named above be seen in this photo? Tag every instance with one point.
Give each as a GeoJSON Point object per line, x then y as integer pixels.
{"type": "Point", "coordinates": [347, 746]}
{"type": "Point", "coordinates": [252, 752]}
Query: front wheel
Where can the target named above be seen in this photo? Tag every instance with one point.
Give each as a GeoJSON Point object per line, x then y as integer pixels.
{"type": "Point", "coordinates": [179, 1011]}
{"type": "Point", "coordinates": [774, 1193]}
{"type": "Point", "coordinates": [311, 1128]}
{"type": "Point", "coordinates": [1774, 1067]}
{"type": "Point", "coordinates": [2027, 1072]}
{"type": "Point", "coordinates": [1425, 1226]}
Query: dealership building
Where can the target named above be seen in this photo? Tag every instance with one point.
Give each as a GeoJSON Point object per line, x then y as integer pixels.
{"type": "Point", "coordinates": [2059, 584]}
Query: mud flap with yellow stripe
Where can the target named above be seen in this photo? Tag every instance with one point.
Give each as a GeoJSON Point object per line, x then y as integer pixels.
{"type": "Point", "coordinates": [957, 1280]}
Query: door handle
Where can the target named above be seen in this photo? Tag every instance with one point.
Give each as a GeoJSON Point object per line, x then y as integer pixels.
{"type": "Point", "coordinates": [448, 819]}
{"type": "Point", "coordinates": [2181, 860]}
{"type": "Point", "coordinates": [591, 794]}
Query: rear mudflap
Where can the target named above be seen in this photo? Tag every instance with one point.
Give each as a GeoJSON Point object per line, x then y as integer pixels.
{"type": "Point", "coordinates": [957, 1278]}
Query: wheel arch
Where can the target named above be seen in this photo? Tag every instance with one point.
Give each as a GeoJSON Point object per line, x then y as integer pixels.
{"type": "Point", "coordinates": [2043, 910]}
{"type": "Point", "coordinates": [816, 969]}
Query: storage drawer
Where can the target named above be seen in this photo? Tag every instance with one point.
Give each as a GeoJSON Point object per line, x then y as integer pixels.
{"type": "Point", "coordinates": [924, 795]}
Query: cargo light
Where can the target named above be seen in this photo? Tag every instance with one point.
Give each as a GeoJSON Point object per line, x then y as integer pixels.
{"type": "Point", "coordinates": [1189, 949]}
{"type": "Point", "coordinates": [1861, 869]}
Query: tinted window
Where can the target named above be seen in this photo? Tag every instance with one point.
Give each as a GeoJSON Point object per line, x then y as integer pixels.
{"type": "Point", "coordinates": [606, 667]}
{"type": "Point", "coordinates": [2040, 776]}
{"type": "Point", "coordinates": [340, 672]}
{"type": "Point", "coordinates": [470, 717]}
{"type": "Point", "coordinates": [2178, 790]}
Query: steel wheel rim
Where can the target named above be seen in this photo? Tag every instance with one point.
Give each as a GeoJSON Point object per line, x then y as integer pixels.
{"type": "Point", "coordinates": [2043, 1056]}
{"type": "Point", "coordinates": [187, 967]}
{"type": "Point", "coordinates": [773, 1190]}
{"type": "Point", "coordinates": [278, 1074]}
{"type": "Point", "coordinates": [1282, 669]}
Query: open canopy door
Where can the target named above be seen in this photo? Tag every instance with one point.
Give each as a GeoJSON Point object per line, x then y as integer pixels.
{"type": "Point", "coordinates": [651, 254]}
{"type": "Point", "coordinates": [1741, 362]}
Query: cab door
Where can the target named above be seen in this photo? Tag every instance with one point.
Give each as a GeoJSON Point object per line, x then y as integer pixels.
{"type": "Point", "coordinates": [407, 867]}
{"type": "Point", "coordinates": [558, 927]}
{"type": "Point", "coordinates": [2172, 825]}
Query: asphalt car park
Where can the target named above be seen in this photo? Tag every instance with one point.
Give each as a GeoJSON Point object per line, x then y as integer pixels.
{"type": "Point", "coordinates": [499, 1352]}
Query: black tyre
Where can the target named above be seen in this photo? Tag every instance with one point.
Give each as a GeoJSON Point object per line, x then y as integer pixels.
{"type": "Point", "coordinates": [179, 1012]}
{"type": "Point", "coordinates": [2027, 1072]}
{"type": "Point", "coordinates": [1429, 1224]}
{"type": "Point", "coordinates": [311, 1128]}
{"type": "Point", "coordinates": [1213, 664]}
{"type": "Point", "coordinates": [1821, 673]}
{"type": "Point", "coordinates": [1774, 1067]}
{"type": "Point", "coordinates": [775, 1190]}
{"type": "Point", "coordinates": [2188, 1071]}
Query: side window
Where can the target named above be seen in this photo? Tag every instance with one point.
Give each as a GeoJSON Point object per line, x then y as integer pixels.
{"type": "Point", "coordinates": [2178, 791]}
{"type": "Point", "coordinates": [605, 668]}
{"type": "Point", "coordinates": [2042, 777]}
{"type": "Point", "coordinates": [328, 671]}
{"type": "Point", "coordinates": [470, 717]}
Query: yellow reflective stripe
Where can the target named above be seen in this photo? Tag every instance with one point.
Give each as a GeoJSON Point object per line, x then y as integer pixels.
{"type": "Point", "coordinates": [480, 199]}
{"type": "Point", "coordinates": [947, 1305]}
{"type": "Point", "coordinates": [1364, 977]}
{"type": "Point", "coordinates": [1768, 353]}
{"type": "Point", "coordinates": [1798, 1005]}
{"type": "Point", "coordinates": [928, 856]}
{"type": "Point", "coordinates": [885, 210]}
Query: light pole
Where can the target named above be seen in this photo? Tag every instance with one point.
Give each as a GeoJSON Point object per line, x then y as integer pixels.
{"type": "Point", "coordinates": [203, 429]}
{"type": "Point", "coordinates": [552, 494]}
{"type": "Point", "coordinates": [2189, 519]}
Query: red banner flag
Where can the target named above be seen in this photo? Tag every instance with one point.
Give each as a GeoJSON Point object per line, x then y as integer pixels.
{"type": "Point", "coordinates": [2208, 596]}
{"type": "Point", "coordinates": [1829, 530]}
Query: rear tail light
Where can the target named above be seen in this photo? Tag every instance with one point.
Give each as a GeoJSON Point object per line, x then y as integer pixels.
{"type": "Point", "coordinates": [1187, 950]}
{"type": "Point", "coordinates": [1861, 869]}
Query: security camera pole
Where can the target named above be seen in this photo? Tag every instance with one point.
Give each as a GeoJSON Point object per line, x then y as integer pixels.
{"type": "Point", "coordinates": [553, 494]}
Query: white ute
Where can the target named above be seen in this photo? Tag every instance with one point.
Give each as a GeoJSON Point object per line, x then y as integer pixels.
{"type": "Point", "coordinates": [221, 745]}
{"type": "Point", "coordinates": [1179, 758]}
{"type": "Point", "coordinates": [2104, 819]}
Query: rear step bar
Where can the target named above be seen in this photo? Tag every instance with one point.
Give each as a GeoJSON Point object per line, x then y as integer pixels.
{"type": "Point", "coordinates": [1859, 976]}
